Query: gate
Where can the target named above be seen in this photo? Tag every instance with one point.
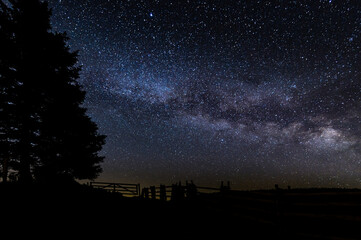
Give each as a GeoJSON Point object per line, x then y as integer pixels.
{"type": "Point", "coordinates": [126, 189]}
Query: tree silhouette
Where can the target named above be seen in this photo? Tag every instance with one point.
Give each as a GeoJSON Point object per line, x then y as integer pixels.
{"type": "Point", "coordinates": [51, 137]}
{"type": "Point", "coordinates": [6, 88]}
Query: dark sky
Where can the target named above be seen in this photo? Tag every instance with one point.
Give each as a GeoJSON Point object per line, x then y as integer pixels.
{"type": "Point", "coordinates": [255, 92]}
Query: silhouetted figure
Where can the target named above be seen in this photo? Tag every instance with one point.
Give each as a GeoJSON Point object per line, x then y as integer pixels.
{"type": "Point", "coordinates": [191, 190]}
{"type": "Point", "coordinates": [47, 134]}
{"type": "Point", "coordinates": [225, 188]}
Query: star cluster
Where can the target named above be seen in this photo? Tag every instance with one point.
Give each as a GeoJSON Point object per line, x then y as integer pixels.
{"type": "Point", "coordinates": [255, 92]}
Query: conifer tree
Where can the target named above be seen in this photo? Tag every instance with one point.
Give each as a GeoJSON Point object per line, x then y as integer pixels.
{"type": "Point", "coordinates": [54, 139]}
{"type": "Point", "coordinates": [6, 89]}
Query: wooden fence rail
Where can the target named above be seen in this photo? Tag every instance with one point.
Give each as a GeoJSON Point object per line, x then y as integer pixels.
{"type": "Point", "coordinates": [162, 192]}
{"type": "Point", "coordinates": [125, 189]}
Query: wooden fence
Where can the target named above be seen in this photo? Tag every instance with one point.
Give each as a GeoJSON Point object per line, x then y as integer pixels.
{"type": "Point", "coordinates": [126, 189]}
{"type": "Point", "coordinates": [173, 192]}
{"type": "Point", "coordinates": [179, 191]}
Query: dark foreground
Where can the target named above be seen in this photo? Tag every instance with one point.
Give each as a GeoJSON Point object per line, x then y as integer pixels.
{"type": "Point", "coordinates": [79, 211]}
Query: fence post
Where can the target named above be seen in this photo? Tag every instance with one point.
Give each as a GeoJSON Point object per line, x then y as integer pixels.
{"type": "Point", "coordinates": [152, 192]}
{"type": "Point", "coordinates": [162, 193]}
{"type": "Point", "coordinates": [180, 191]}
{"type": "Point", "coordinates": [223, 188]}
{"type": "Point", "coordinates": [145, 193]}
{"type": "Point", "coordinates": [174, 192]}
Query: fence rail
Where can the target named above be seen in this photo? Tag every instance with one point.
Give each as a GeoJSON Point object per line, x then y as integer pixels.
{"type": "Point", "coordinates": [179, 191]}
{"type": "Point", "coordinates": [126, 189]}
{"type": "Point", "coordinates": [162, 192]}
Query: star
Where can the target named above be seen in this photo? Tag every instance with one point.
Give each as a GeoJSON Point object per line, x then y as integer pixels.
{"type": "Point", "coordinates": [265, 88]}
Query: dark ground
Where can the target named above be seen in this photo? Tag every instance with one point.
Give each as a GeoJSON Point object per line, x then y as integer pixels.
{"type": "Point", "coordinates": [78, 211]}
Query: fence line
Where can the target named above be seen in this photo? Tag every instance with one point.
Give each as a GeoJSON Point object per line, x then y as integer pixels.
{"type": "Point", "coordinates": [179, 191]}
{"type": "Point", "coordinates": [171, 192]}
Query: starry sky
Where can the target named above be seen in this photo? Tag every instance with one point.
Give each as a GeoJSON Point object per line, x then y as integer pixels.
{"type": "Point", "coordinates": [254, 92]}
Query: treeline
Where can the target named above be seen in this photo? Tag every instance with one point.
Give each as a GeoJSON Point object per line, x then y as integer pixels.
{"type": "Point", "coordinates": [45, 134]}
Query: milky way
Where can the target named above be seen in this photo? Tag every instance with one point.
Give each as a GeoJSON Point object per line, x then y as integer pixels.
{"type": "Point", "coordinates": [255, 92]}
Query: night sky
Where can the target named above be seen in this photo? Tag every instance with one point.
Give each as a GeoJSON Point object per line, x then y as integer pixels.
{"type": "Point", "coordinates": [254, 92]}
